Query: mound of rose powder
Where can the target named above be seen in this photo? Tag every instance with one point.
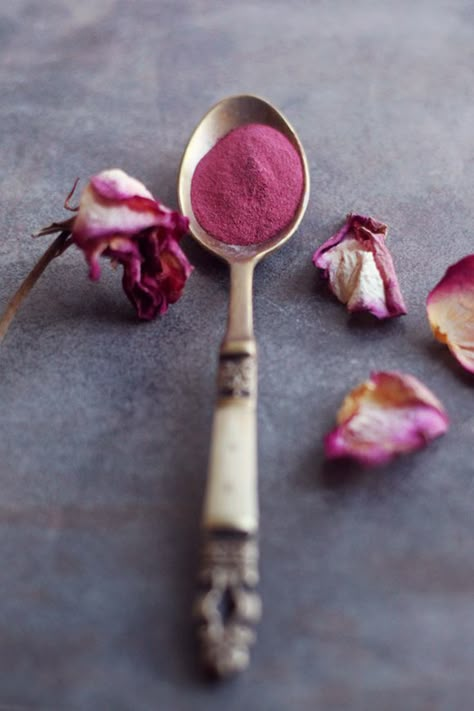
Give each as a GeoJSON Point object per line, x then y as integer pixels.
{"type": "Point", "coordinates": [248, 187]}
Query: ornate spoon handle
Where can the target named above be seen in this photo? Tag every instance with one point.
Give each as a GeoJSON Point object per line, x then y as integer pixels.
{"type": "Point", "coordinates": [228, 606]}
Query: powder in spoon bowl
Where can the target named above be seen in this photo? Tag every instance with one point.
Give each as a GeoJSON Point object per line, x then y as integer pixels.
{"type": "Point", "coordinates": [247, 188]}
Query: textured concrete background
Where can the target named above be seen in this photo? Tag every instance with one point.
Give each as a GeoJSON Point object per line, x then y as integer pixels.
{"type": "Point", "coordinates": [367, 578]}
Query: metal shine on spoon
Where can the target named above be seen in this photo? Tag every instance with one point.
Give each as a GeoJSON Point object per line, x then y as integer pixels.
{"type": "Point", "coordinates": [228, 605]}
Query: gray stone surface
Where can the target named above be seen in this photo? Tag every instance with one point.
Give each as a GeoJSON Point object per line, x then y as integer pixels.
{"type": "Point", "coordinates": [367, 578]}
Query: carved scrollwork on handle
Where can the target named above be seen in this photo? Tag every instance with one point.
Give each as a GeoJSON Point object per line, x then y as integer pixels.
{"type": "Point", "coordinates": [237, 375]}
{"type": "Point", "coordinates": [228, 606]}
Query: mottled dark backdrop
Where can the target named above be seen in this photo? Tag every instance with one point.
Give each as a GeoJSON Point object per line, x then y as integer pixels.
{"type": "Point", "coordinates": [367, 578]}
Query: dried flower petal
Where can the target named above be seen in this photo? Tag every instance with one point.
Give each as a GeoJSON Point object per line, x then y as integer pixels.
{"type": "Point", "coordinates": [157, 277]}
{"type": "Point", "coordinates": [450, 307]}
{"type": "Point", "coordinates": [359, 267]}
{"type": "Point", "coordinates": [389, 414]}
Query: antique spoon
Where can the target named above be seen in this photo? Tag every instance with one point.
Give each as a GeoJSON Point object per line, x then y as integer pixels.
{"type": "Point", "coordinates": [228, 605]}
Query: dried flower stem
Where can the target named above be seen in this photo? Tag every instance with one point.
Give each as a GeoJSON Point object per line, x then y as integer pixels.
{"type": "Point", "coordinates": [60, 244]}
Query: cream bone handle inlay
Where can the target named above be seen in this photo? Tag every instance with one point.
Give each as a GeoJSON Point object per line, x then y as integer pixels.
{"type": "Point", "coordinates": [231, 500]}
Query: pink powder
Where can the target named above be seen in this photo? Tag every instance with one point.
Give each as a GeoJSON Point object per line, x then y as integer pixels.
{"type": "Point", "coordinates": [248, 187]}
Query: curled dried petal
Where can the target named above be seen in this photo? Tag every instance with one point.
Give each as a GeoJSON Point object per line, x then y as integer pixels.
{"type": "Point", "coordinates": [113, 208]}
{"type": "Point", "coordinates": [450, 307]}
{"type": "Point", "coordinates": [389, 414]}
{"type": "Point", "coordinates": [359, 267]}
{"type": "Point", "coordinates": [157, 278]}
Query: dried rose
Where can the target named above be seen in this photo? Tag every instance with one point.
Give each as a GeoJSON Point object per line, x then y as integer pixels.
{"type": "Point", "coordinates": [118, 218]}
{"type": "Point", "coordinates": [359, 267]}
{"type": "Point", "coordinates": [450, 307]}
{"type": "Point", "coordinates": [389, 414]}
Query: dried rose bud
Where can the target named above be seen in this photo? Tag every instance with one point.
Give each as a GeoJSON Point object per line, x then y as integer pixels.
{"type": "Point", "coordinates": [389, 414]}
{"type": "Point", "coordinates": [119, 218]}
{"type": "Point", "coordinates": [359, 267]}
{"type": "Point", "coordinates": [450, 307]}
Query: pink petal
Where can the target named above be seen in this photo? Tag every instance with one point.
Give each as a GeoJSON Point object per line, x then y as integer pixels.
{"type": "Point", "coordinates": [157, 278]}
{"type": "Point", "coordinates": [450, 307]}
{"type": "Point", "coordinates": [359, 267]}
{"type": "Point", "coordinates": [115, 184]}
{"type": "Point", "coordinates": [107, 209]}
{"type": "Point", "coordinates": [389, 414]}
